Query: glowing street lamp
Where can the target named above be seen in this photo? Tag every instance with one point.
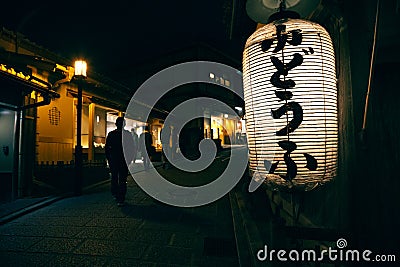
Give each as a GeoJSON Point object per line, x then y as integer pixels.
{"type": "Point", "coordinates": [79, 77]}
{"type": "Point", "coordinates": [80, 68]}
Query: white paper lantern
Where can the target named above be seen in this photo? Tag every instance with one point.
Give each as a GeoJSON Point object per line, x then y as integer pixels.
{"type": "Point", "coordinates": [291, 104]}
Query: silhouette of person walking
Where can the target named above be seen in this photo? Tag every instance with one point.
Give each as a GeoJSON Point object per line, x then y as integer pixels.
{"type": "Point", "coordinates": [166, 148]}
{"type": "Point", "coordinates": [145, 147]}
{"type": "Point", "coordinates": [136, 142]}
{"type": "Point", "coordinates": [117, 161]}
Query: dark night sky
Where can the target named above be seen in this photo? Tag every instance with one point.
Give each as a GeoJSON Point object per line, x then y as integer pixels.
{"type": "Point", "coordinates": [115, 34]}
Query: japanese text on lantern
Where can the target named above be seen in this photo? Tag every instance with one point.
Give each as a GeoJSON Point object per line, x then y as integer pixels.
{"type": "Point", "coordinates": [294, 38]}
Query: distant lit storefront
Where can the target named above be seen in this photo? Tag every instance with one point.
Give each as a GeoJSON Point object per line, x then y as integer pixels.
{"type": "Point", "coordinates": [223, 127]}
{"type": "Point", "coordinates": [219, 125]}
{"type": "Point", "coordinates": [134, 126]}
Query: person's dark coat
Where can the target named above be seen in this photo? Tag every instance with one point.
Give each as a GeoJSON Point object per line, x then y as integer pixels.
{"type": "Point", "coordinates": [146, 143]}
{"type": "Point", "coordinates": [114, 148]}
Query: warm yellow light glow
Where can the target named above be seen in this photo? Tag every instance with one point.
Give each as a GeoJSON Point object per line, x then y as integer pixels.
{"type": "Point", "coordinates": [98, 145]}
{"type": "Point", "coordinates": [315, 91]}
{"type": "Point", "coordinates": [80, 68]}
{"type": "Point", "coordinates": [39, 83]}
{"type": "Point", "coordinates": [33, 94]}
{"type": "Point", "coordinates": [61, 67]}
{"type": "Point", "coordinates": [20, 75]}
{"type": "Point", "coordinates": [11, 71]}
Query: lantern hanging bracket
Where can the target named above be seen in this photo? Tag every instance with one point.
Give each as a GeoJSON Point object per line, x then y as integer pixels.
{"type": "Point", "coordinates": [283, 13]}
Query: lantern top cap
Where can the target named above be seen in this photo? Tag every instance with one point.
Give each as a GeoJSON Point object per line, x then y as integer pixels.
{"type": "Point", "coordinates": [283, 14]}
{"type": "Point", "coordinates": [268, 31]}
{"type": "Point", "coordinates": [261, 10]}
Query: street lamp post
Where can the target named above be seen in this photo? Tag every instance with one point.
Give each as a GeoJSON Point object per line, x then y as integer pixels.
{"type": "Point", "coordinates": [80, 75]}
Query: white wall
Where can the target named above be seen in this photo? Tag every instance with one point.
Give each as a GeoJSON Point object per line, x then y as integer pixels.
{"type": "Point", "coordinates": [7, 123]}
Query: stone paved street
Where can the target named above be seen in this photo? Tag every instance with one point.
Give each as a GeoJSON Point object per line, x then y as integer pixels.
{"type": "Point", "coordinates": [90, 230]}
